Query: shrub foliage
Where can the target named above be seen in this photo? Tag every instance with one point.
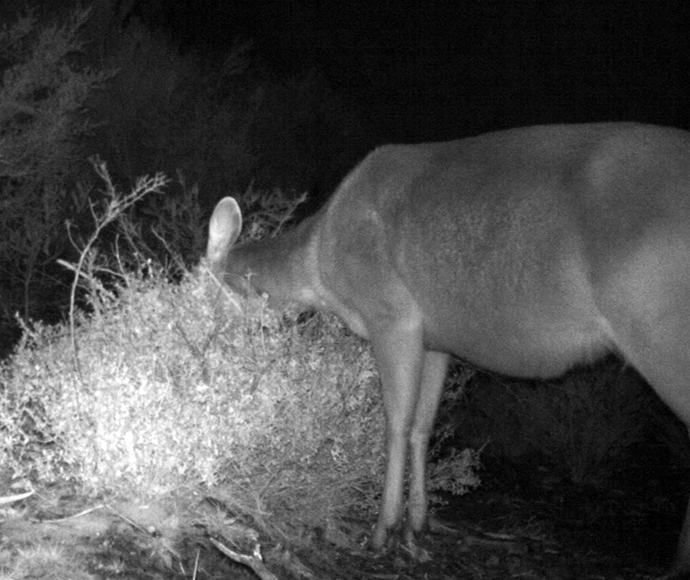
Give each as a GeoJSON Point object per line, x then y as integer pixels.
{"type": "Point", "coordinates": [187, 386]}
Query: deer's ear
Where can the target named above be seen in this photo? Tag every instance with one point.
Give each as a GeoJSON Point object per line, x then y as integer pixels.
{"type": "Point", "coordinates": [224, 229]}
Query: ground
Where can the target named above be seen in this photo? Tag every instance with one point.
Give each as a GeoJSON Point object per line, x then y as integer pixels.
{"type": "Point", "coordinates": [526, 521]}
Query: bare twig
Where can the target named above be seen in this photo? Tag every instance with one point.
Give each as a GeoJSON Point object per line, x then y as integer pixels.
{"type": "Point", "coordinates": [73, 516]}
{"type": "Point", "coordinates": [115, 207]}
{"type": "Point", "coordinates": [18, 497]}
{"type": "Point", "coordinates": [255, 561]}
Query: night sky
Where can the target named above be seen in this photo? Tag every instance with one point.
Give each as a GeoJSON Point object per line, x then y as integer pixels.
{"type": "Point", "coordinates": [444, 69]}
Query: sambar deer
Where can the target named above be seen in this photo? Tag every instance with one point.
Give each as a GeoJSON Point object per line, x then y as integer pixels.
{"type": "Point", "coordinates": [522, 251]}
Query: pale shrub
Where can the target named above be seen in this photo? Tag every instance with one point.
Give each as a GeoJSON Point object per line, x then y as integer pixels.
{"type": "Point", "coordinates": [187, 386]}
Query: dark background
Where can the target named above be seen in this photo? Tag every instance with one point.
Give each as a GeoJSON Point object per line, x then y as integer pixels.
{"type": "Point", "coordinates": [443, 69]}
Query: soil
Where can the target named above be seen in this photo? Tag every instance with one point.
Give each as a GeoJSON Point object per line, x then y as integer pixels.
{"type": "Point", "coordinates": [526, 521]}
